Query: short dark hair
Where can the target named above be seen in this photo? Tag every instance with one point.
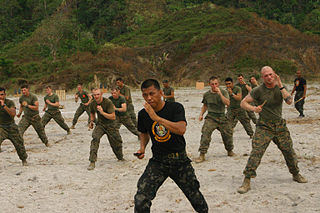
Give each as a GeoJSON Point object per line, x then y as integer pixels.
{"type": "Point", "coordinates": [25, 86]}
{"type": "Point", "coordinates": [119, 79]}
{"type": "Point", "coordinates": [213, 78]}
{"type": "Point", "coordinates": [49, 87]}
{"type": "Point", "coordinates": [3, 89]}
{"type": "Point", "coordinates": [80, 84]}
{"type": "Point", "coordinates": [165, 81]}
{"type": "Point", "coordinates": [240, 75]}
{"type": "Point", "coordinates": [150, 82]}
{"type": "Point", "coordinates": [228, 79]}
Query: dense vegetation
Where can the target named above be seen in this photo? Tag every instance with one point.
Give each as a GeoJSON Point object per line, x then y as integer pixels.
{"type": "Point", "coordinates": [47, 40]}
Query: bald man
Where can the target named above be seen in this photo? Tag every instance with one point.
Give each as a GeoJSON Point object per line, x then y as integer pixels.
{"type": "Point", "coordinates": [270, 126]}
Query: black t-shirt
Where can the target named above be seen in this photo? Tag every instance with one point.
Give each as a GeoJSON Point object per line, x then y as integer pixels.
{"type": "Point", "coordinates": [163, 141]}
{"type": "Point", "coordinates": [300, 82]}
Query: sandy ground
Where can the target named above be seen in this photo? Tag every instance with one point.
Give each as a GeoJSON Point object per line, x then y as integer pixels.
{"type": "Point", "coordinates": [57, 180]}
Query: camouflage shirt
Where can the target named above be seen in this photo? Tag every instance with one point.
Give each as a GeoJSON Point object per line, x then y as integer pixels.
{"type": "Point", "coordinates": [214, 103]}
{"type": "Point", "coordinates": [31, 99]}
{"type": "Point", "coordinates": [5, 118]}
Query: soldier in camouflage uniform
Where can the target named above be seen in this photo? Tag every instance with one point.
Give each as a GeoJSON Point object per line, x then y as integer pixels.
{"type": "Point", "coordinates": [122, 116]}
{"type": "Point", "coordinates": [165, 124]}
{"type": "Point", "coordinates": [253, 82]}
{"type": "Point", "coordinates": [235, 112]}
{"type": "Point", "coordinates": [84, 105]}
{"type": "Point", "coordinates": [215, 101]}
{"type": "Point", "coordinates": [125, 92]}
{"type": "Point", "coordinates": [168, 92]}
{"type": "Point", "coordinates": [300, 87]}
{"type": "Point", "coordinates": [51, 101]}
{"type": "Point", "coordinates": [245, 89]}
{"type": "Point", "coordinates": [271, 126]}
{"type": "Point", "coordinates": [8, 128]}
{"type": "Point", "coordinates": [105, 125]}
{"type": "Point", "coordinates": [29, 104]}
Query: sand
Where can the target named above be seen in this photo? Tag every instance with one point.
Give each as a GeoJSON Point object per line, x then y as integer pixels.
{"type": "Point", "coordinates": [57, 179]}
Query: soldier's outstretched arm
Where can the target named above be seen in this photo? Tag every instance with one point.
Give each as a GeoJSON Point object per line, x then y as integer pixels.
{"type": "Point", "coordinates": [245, 104]}
{"type": "Point", "coordinates": [144, 140]}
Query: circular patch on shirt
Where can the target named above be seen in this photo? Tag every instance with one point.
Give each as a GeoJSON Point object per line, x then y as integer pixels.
{"type": "Point", "coordinates": [297, 82]}
{"type": "Point", "coordinates": [83, 96]}
{"type": "Point", "coordinates": [161, 134]}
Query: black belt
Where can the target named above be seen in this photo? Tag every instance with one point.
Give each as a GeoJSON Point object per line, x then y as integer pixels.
{"type": "Point", "coordinates": [174, 155]}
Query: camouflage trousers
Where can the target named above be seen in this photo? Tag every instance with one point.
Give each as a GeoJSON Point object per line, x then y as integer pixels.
{"type": "Point", "coordinates": [114, 138]}
{"type": "Point", "coordinates": [81, 109]}
{"type": "Point", "coordinates": [127, 122]}
{"type": "Point", "coordinates": [57, 117]}
{"type": "Point", "coordinates": [299, 105]}
{"type": "Point", "coordinates": [12, 133]}
{"type": "Point", "coordinates": [132, 114]}
{"type": "Point", "coordinates": [252, 116]}
{"type": "Point", "coordinates": [280, 135]}
{"type": "Point", "coordinates": [235, 115]}
{"type": "Point", "coordinates": [223, 125]}
{"type": "Point", "coordinates": [35, 121]}
{"type": "Point", "coordinates": [157, 171]}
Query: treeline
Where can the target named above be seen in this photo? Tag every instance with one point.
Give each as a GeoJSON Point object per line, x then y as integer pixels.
{"type": "Point", "coordinates": [108, 19]}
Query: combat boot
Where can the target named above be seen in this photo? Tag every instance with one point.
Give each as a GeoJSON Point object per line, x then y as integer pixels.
{"type": "Point", "coordinates": [68, 132]}
{"type": "Point", "coordinates": [245, 187]}
{"type": "Point", "coordinates": [299, 178]}
{"type": "Point", "coordinates": [72, 127]}
{"type": "Point", "coordinates": [201, 158]}
{"type": "Point", "coordinates": [231, 153]}
{"type": "Point", "coordinates": [24, 163]}
{"type": "Point", "coordinates": [91, 166]}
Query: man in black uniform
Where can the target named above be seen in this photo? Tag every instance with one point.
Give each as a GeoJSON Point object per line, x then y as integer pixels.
{"type": "Point", "coordinates": [165, 123]}
{"type": "Point", "coordinates": [300, 86]}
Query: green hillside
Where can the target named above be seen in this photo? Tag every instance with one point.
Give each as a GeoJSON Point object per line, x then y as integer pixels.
{"type": "Point", "coordinates": [65, 41]}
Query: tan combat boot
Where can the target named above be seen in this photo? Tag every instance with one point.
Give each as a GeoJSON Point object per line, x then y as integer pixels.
{"type": "Point", "coordinates": [91, 166]}
{"type": "Point", "coordinates": [299, 178]}
{"type": "Point", "coordinates": [72, 127]}
{"type": "Point", "coordinates": [245, 187]}
{"type": "Point", "coordinates": [69, 132]}
{"type": "Point", "coordinates": [231, 153]}
{"type": "Point", "coordinates": [24, 163]}
{"type": "Point", "coordinates": [200, 159]}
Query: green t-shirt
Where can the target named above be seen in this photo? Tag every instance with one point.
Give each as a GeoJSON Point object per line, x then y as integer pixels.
{"type": "Point", "coordinates": [235, 104]}
{"type": "Point", "coordinates": [53, 99]}
{"type": "Point", "coordinates": [244, 90]}
{"type": "Point", "coordinates": [83, 96]}
{"type": "Point", "coordinates": [118, 102]}
{"type": "Point", "coordinates": [253, 85]}
{"type": "Point", "coordinates": [272, 110]}
{"type": "Point", "coordinates": [167, 91]}
{"type": "Point", "coordinates": [5, 118]}
{"type": "Point", "coordinates": [107, 107]}
{"type": "Point", "coordinates": [126, 92]}
{"type": "Point", "coordinates": [31, 99]}
{"type": "Point", "coordinates": [214, 103]}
